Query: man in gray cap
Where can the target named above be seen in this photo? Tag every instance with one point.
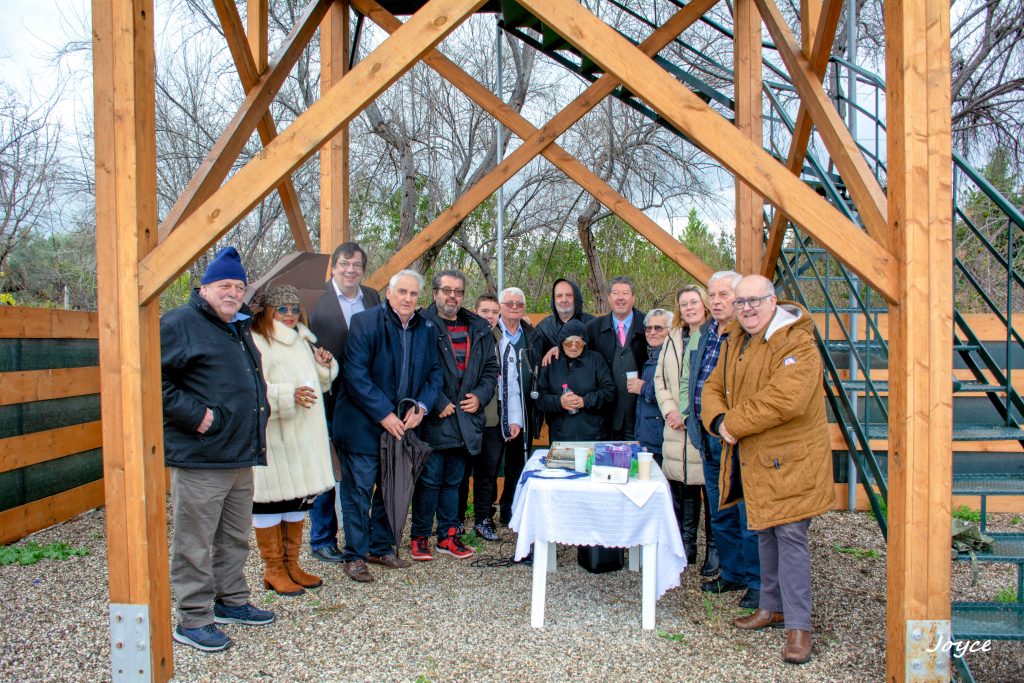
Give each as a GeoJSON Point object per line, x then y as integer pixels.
{"type": "Point", "coordinates": [215, 420]}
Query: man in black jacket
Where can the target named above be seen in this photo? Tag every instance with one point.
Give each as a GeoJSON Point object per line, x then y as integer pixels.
{"type": "Point", "coordinates": [215, 420]}
{"type": "Point", "coordinates": [344, 296]}
{"type": "Point", "coordinates": [619, 338]}
{"type": "Point", "coordinates": [454, 429]}
{"type": "Point", "coordinates": [566, 305]}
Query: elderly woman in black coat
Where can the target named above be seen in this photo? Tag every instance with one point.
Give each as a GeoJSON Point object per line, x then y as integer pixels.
{"type": "Point", "coordinates": [575, 389]}
{"type": "Point", "coordinates": [650, 424]}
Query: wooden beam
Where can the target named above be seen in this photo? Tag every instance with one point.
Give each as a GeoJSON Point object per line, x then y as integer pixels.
{"type": "Point", "coordinates": [19, 522]}
{"type": "Point", "coordinates": [218, 163]}
{"type": "Point", "coordinates": [41, 385]}
{"type": "Point", "coordinates": [864, 189]}
{"type": "Point", "coordinates": [334, 156]}
{"type": "Point", "coordinates": [32, 449]}
{"type": "Point", "coordinates": [824, 36]}
{"type": "Point", "coordinates": [249, 73]}
{"type": "Point", "coordinates": [125, 124]}
{"type": "Point", "coordinates": [917, 69]}
{"type": "Point", "coordinates": [747, 65]}
{"type": "Point", "coordinates": [810, 12]}
{"type": "Point", "coordinates": [21, 322]}
{"type": "Point", "coordinates": [539, 141]}
{"type": "Point", "coordinates": [301, 140]}
{"type": "Point", "coordinates": [719, 138]}
{"type": "Point", "coordinates": [256, 22]}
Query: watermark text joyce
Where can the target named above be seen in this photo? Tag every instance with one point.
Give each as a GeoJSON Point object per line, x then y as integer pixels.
{"type": "Point", "coordinates": [961, 647]}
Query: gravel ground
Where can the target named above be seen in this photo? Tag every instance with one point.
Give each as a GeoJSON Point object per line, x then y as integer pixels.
{"type": "Point", "coordinates": [449, 621]}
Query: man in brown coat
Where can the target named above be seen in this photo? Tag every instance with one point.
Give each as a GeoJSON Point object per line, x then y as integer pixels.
{"type": "Point", "coordinates": [765, 400]}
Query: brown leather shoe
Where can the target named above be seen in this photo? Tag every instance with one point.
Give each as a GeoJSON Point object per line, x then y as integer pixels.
{"type": "Point", "coordinates": [392, 561]}
{"type": "Point", "coordinates": [798, 646]}
{"type": "Point", "coordinates": [761, 618]}
{"type": "Point", "coordinates": [357, 571]}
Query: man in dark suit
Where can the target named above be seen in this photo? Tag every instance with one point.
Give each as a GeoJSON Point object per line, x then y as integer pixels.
{"type": "Point", "coordinates": [344, 296]}
{"type": "Point", "coordinates": [619, 338]}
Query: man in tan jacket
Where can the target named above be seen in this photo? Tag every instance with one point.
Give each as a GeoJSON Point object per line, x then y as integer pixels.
{"type": "Point", "coordinates": [765, 400]}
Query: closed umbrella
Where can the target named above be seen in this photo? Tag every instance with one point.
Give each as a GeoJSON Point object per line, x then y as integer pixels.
{"type": "Point", "coordinates": [401, 462]}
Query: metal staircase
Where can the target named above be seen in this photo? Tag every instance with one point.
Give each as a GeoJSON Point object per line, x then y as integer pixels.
{"type": "Point", "coordinates": [987, 405]}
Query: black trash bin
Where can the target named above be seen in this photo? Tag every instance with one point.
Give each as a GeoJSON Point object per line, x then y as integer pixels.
{"type": "Point", "coordinates": [597, 559]}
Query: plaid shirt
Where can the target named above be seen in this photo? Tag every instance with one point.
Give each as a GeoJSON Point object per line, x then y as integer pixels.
{"type": "Point", "coordinates": [711, 353]}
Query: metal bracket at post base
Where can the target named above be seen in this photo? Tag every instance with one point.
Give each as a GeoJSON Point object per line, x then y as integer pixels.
{"type": "Point", "coordinates": [129, 642]}
{"type": "Point", "coordinates": [926, 658]}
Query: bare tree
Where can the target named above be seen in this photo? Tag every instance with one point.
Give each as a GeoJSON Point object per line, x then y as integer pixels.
{"type": "Point", "coordinates": [29, 143]}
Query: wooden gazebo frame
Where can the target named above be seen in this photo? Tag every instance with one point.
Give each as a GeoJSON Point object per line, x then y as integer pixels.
{"type": "Point", "coordinates": [905, 252]}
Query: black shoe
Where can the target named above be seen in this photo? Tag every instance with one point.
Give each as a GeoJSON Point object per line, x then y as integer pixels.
{"type": "Point", "coordinates": [486, 531]}
{"type": "Point", "coordinates": [528, 560]}
{"type": "Point", "coordinates": [720, 585]}
{"type": "Point", "coordinates": [505, 515]}
{"type": "Point", "coordinates": [751, 599]}
{"type": "Point", "coordinates": [711, 563]}
{"type": "Point", "coordinates": [328, 553]}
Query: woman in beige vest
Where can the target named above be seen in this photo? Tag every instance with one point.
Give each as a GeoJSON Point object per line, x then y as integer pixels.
{"type": "Point", "coordinates": [681, 459]}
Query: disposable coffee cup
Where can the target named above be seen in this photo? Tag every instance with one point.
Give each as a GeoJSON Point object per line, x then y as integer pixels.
{"type": "Point", "coordinates": [644, 459]}
{"type": "Point", "coordinates": [311, 383]}
{"type": "Point", "coordinates": [580, 455]}
{"type": "Point", "coordinates": [632, 375]}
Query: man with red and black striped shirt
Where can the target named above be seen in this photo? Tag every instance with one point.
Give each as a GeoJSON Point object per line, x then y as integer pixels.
{"type": "Point", "coordinates": [454, 427]}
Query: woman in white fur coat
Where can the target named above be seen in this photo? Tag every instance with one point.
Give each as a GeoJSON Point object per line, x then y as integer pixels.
{"type": "Point", "coordinates": [298, 448]}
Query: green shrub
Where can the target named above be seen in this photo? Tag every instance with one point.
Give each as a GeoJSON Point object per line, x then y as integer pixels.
{"type": "Point", "coordinates": [32, 552]}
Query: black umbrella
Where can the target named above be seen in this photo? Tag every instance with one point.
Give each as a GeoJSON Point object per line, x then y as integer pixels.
{"type": "Point", "coordinates": [401, 461]}
{"type": "Point", "coordinates": [305, 271]}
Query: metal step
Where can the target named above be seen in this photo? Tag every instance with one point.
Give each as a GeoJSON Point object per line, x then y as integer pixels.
{"type": "Point", "coordinates": [988, 621]}
{"type": "Point", "coordinates": [959, 387]}
{"type": "Point", "coordinates": [962, 432]}
{"type": "Point", "coordinates": [988, 484]}
{"type": "Point", "coordinates": [1005, 548]}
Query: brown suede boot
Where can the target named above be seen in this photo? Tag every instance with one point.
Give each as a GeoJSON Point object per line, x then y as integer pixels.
{"type": "Point", "coordinates": [271, 548]}
{"type": "Point", "coordinates": [292, 544]}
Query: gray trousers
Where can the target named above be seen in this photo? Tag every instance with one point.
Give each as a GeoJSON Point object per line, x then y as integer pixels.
{"type": "Point", "coordinates": [786, 572]}
{"type": "Point", "coordinates": [212, 522]}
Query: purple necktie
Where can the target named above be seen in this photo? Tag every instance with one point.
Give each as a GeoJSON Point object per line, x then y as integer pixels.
{"type": "Point", "coordinates": [622, 333]}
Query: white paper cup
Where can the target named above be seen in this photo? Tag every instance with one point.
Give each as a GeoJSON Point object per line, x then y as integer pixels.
{"type": "Point", "coordinates": [644, 461]}
{"type": "Point", "coordinates": [311, 383]}
{"type": "Point", "coordinates": [632, 375]}
{"type": "Point", "coordinates": [580, 455]}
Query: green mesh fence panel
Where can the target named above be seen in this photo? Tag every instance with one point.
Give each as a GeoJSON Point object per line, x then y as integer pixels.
{"type": "Point", "coordinates": [38, 416]}
{"type": "Point", "coordinates": [48, 478]}
{"type": "Point", "coordinates": [45, 354]}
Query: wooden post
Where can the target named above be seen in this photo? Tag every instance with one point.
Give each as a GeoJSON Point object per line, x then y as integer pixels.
{"type": "Point", "coordinates": [747, 79]}
{"type": "Point", "coordinates": [921, 338]}
{"type": "Point", "coordinates": [810, 11]}
{"type": "Point", "coordinates": [334, 160]}
{"type": "Point", "coordinates": [129, 336]}
{"type": "Point", "coordinates": [256, 20]}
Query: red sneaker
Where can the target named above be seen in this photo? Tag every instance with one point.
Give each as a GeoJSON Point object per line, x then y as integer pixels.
{"type": "Point", "coordinates": [453, 545]}
{"type": "Point", "coordinates": [419, 549]}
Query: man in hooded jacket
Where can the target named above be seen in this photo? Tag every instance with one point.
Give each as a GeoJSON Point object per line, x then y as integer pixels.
{"type": "Point", "coordinates": [764, 399]}
{"type": "Point", "coordinates": [566, 305]}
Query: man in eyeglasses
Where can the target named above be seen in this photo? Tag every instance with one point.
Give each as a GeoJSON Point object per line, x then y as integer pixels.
{"type": "Point", "coordinates": [764, 399]}
{"type": "Point", "coordinates": [518, 358]}
{"type": "Point", "coordinates": [455, 427]}
{"type": "Point", "coordinates": [344, 296]}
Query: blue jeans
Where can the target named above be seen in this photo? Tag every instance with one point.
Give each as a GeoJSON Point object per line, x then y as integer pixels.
{"type": "Point", "coordinates": [437, 492]}
{"type": "Point", "coordinates": [362, 507]}
{"type": "Point", "coordinates": [323, 522]}
{"type": "Point", "coordinates": [737, 545]}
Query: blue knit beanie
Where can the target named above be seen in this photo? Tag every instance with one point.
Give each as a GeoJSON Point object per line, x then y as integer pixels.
{"type": "Point", "coordinates": [226, 265]}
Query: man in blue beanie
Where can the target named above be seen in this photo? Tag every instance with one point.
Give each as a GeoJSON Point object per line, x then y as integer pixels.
{"type": "Point", "coordinates": [215, 419]}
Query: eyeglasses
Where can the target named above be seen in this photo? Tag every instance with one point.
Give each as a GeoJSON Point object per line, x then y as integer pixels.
{"type": "Point", "coordinates": [654, 328]}
{"type": "Point", "coordinates": [690, 304]}
{"type": "Point", "coordinates": [573, 341]}
{"type": "Point", "coordinates": [514, 304]}
{"type": "Point", "coordinates": [285, 310]}
{"type": "Point", "coordinates": [448, 291]}
{"type": "Point", "coordinates": [346, 265]}
{"type": "Point", "coordinates": [753, 302]}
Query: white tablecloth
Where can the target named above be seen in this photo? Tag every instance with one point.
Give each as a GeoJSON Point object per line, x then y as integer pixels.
{"type": "Point", "coordinates": [585, 512]}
